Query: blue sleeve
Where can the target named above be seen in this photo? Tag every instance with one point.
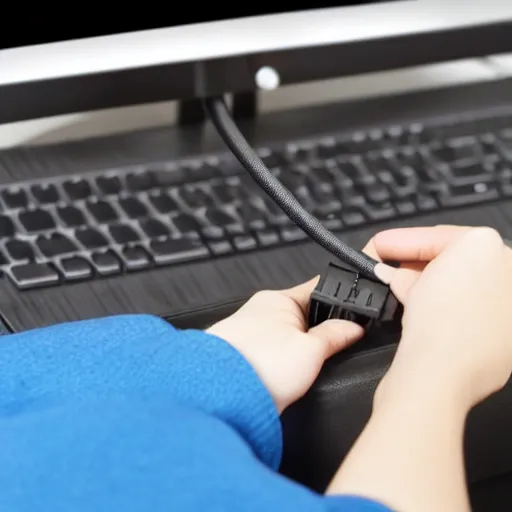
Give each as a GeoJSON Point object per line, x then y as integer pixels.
{"type": "Point", "coordinates": [127, 413]}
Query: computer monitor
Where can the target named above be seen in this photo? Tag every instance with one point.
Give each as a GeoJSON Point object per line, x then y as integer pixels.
{"type": "Point", "coordinates": [75, 69]}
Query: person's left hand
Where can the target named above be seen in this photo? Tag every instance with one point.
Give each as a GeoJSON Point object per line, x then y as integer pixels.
{"type": "Point", "coordinates": [270, 331]}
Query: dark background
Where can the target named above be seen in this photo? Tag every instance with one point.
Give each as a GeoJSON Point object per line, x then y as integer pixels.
{"type": "Point", "coordinates": [46, 24]}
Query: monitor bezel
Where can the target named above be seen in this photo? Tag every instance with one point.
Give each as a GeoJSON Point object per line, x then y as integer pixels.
{"type": "Point", "coordinates": [435, 40]}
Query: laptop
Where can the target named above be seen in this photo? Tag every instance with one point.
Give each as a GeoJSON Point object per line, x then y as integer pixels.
{"type": "Point", "coordinates": [165, 221]}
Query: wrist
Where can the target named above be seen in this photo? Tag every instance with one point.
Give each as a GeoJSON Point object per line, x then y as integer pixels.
{"type": "Point", "coordinates": [421, 386]}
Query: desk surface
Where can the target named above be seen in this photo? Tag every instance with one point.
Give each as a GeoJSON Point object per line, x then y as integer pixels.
{"type": "Point", "coordinates": [125, 119]}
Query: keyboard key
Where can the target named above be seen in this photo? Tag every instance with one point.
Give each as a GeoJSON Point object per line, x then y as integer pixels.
{"type": "Point", "coordinates": [77, 189]}
{"type": "Point", "coordinates": [140, 182]}
{"type": "Point", "coordinates": [36, 220]}
{"type": "Point", "coordinates": [177, 250]}
{"type": "Point", "coordinates": [251, 217]}
{"type": "Point", "coordinates": [75, 269]}
{"type": "Point", "coordinates": [186, 223]}
{"type": "Point", "coordinates": [153, 228]}
{"type": "Point", "coordinates": [220, 248]}
{"type": "Point", "coordinates": [109, 185]}
{"type": "Point", "coordinates": [195, 196]}
{"type": "Point", "coordinates": [219, 217]}
{"type": "Point", "coordinates": [469, 194]}
{"type": "Point", "coordinates": [293, 234]}
{"type": "Point", "coordinates": [102, 211]}
{"type": "Point", "coordinates": [267, 238]}
{"type": "Point", "coordinates": [467, 173]}
{"type": "Point", "coordinates": [15, 198]}
{"type": "Point", "coordinates": [7, 228]}
{"type": "Point", "coordinates": [135, 258]}
{"type": "Point", "coordinates": [244, 243]}
{"type": "Point", "coordinates": [71, 216]}
{"type": "Point", "coordinates": [55, 244]}
{"type": "Point", "coordinates": [20, 250]}
{"type": "Point", "coordinates": [106, 263]}
{"type": "Point", "coordinates": [163, 203]}
{"type": "Point", "coordinates": [91, 238]}
{"type": "Point", "coordinates": [33, 275]}
{"type": "Point", "coordinates": [45, 193]}
{"type": "Point", "coordinates": [133, 207]}
{"type": "Point", "coordinates": [123, 234]}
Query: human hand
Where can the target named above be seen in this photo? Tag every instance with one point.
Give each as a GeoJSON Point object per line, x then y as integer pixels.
{"type": "Point", "coordinates": [456, 287]}
{"type": "Point", "coordinates": [270, 331]}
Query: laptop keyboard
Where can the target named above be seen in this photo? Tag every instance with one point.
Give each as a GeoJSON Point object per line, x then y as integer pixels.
{"type": "Point", "coordinates": [96, 225]}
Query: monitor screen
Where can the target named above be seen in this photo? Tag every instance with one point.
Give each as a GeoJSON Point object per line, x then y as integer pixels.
{"type": "Point", "coordinates": [35, 30]}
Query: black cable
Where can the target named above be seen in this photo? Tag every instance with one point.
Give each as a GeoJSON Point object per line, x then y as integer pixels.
{"type": "Point", "coordinates": [228, 130]}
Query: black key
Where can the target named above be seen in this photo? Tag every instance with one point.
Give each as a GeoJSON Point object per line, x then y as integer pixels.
{"type": "Point", "coordinates": [466, 148]}
{"type": "Point", "coordinates": [405, 207]}
{"type": "Point", "coordinates": [213, 233]}
{"type": "Point", "coordinates": [426, 203]}
{"type": "Point", "coordinates": [195, 196]}
{"type": "Point", "coordinates": [3, 259]}
{"type": "Point", "coordinates": [106, 263]}
{"type": "Point", "coordinates": [375, 192]}
{"type": "Point", "coordinates": [163, 203]}
{"type": "Point", "coordinates": [251, 217]}
{"type": "Point", "coordinates": [177, 250]}
{"type": "Point", "coordinates": [71, 216]}
{"type": "Point", "coordinates": [219, 217]}
{"type": "Point", "coordinates": [34, 275]}
{"type": "Point", "coordinates": [90, 238]}
{"type": "Point", "coordinates": [102, 211]}
{"type": "Point", "coordinates": [244, 243]}
{"type": "Point", "coordinates": [45, 193]}
{"type": "Point", "coordinates": [36, 220]}
{"type": "Point", "coordinates": [133, 207]}
{"type": "Point", "coordinates": [380, 211]}
{"type": "Point", "coordinates": [467, 173]}
{"type": "Point", "coordinates": [7, 228]}
{"type": "Point", "coordinates": [154, 228]}
{"type": "Point", "coordinates": [293, 234]}
{"type": "Point", "coordinates": [140, 181]}
{"type": "Point", "coordinates": [267, 238]}
{"type": "Point", "coordinates": [77, 189]}
{"type": "Point", "coordinates": [227, 191]}
{"type": "Point", "coordinates": [75, 269]}
{"type": "Point", "coordinates": [123, 234]}
{"type": "Point", "coordinates": [469, 194]}
{"type": "Point", "coordinates": [15, 198]}
{"type": "Point", "coordinates": [352, 217]}
{"type": "Point", "coordinates": [109, 185]}
{"type": "Point", "coordinates": [331, 221]}
{"type": "Point", "coordinates": [20, 250]}
{"type": "Point", "coordinates": [135, 258]}
{"type": "Point", "coordinates": [186, 223]}
{"type": "Point", "coordinates": [220, 248]}
{"type": "Point", "coordinates": [55, 245]}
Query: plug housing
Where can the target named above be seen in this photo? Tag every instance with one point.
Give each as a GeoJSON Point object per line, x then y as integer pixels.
{"type": "Point", "coordinates": [342, 293]}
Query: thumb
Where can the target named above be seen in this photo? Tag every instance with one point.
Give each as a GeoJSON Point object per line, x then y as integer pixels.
{"type": "Point", "coordinates": [336, 335]}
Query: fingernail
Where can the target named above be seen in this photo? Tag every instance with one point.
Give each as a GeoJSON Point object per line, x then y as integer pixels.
{"type": "Point", "coordinates": [384, 272]}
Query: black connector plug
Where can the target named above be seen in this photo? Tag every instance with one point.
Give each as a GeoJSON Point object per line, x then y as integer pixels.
{"type": "Point", "coordinates": [342, 293]}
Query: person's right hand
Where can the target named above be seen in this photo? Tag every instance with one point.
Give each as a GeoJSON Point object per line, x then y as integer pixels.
{"type": "Point", "coordinates": [456, 287]}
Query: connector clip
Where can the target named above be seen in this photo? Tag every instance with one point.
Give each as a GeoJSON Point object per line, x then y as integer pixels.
{"type": "Point", "coordinates": [342, 293]}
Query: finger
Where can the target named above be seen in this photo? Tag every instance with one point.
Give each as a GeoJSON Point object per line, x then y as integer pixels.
{"type": "Point", "coordinates": [336, 335]}
{"type": "Point", "coordinates": [371, 250]}
{"type": "Point", "coordinates": [302, 293]}
{"type": "Point", "coordinates": [404, 279]}
{"type": "Point", "coordinates": [415, 244]}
